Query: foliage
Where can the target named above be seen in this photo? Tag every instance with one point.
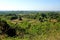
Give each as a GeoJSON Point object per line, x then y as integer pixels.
{"type": "Point", "coordinates": [40, 26]}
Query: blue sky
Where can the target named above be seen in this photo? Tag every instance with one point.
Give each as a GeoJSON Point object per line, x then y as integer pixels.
{"type": "Point", "coordinates": [36, 5]}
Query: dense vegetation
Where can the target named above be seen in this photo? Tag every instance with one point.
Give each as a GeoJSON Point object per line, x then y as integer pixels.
{"type": "Point", "coordinates": [29, 25]}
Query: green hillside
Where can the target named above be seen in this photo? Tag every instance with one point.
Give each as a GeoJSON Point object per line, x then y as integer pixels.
{"type": "Point", "coordinates": [25, 25]}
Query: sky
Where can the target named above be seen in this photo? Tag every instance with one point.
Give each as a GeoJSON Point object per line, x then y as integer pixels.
{"type": "Point", "coordinates": [35, 5]}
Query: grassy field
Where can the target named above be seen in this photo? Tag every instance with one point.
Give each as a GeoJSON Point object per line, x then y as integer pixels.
{"type": "Point", "coordinates": [36, 26]}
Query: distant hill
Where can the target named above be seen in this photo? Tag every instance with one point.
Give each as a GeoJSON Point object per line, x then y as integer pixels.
{"type": "Point", "coordinates": [24, 12]}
